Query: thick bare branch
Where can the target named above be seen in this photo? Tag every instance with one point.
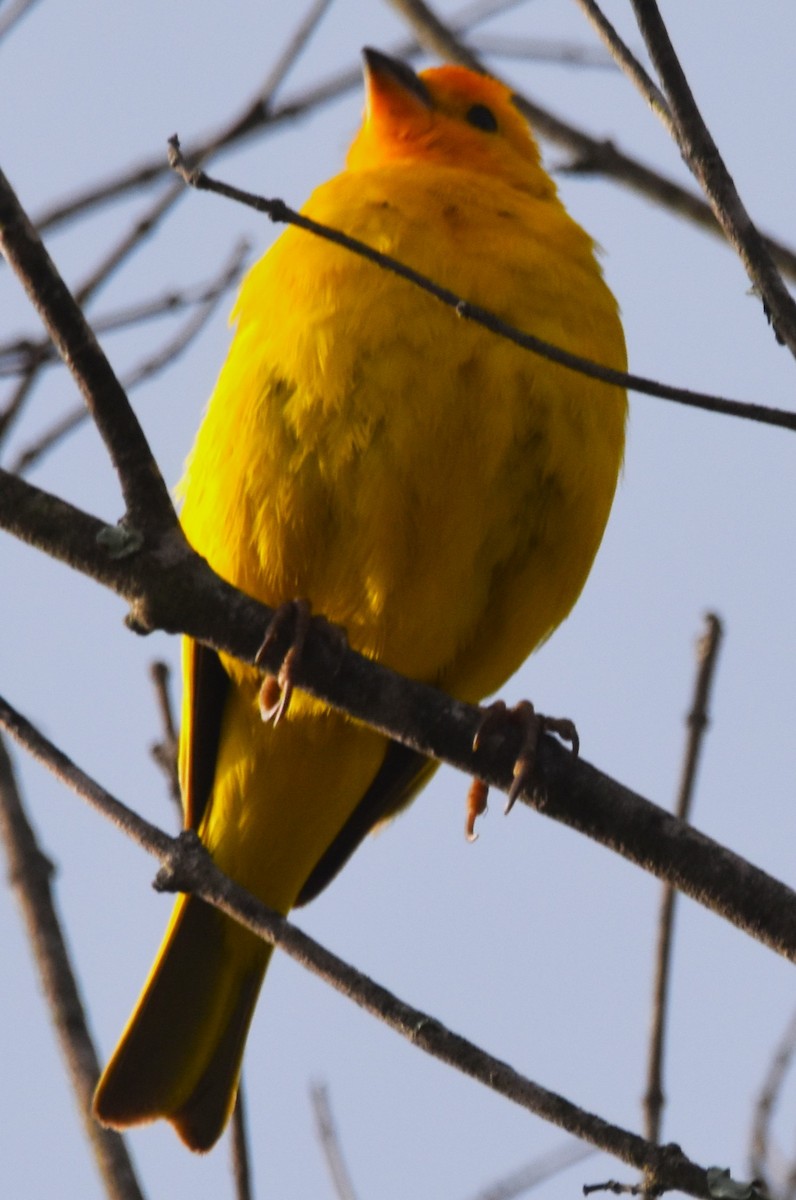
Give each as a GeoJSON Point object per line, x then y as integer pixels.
{"type": "Point", "coordinates": [188, 867]}
{"type": "Point", "coordinates": [169, 587]}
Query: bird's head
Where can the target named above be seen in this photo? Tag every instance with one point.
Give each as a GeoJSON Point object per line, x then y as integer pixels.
{"type": "Point", "coordinates": [446, 115]}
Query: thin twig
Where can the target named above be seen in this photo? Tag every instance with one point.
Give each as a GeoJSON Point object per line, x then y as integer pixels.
{"type": "Point", "coordinates": [542, 50]}
{"type": "Point", "coordinates": [20, 395]}
{"type": "Point", "coordinates": [591, 155]}
{"type": "Point", "coordinates": [293, 49]}
{"type": "Point", "coordinates": [142, 228]}
{"type": "Point", "coordinates": [41, 352]}
{"type": "Point", "coordinates": [146, 370]}
{"type": "Point", "coordinates": [697, 723]}
{"type": "Point", "coordinates": [164, 752]}
{"type": "Point", "coordinates": [278, 211]}
{"type": "Point", "coordinates": [239, 1145]}
{"type": "Point", "coordinates": [253, 119]}
{"type": "Point", "coordinates": [330, 1143]}
{"type": "Point", "coordinates": [538, 1171]}
{"type": "Point", "coordinates": [14, 13]}
{"type": "Point", "coordinates": [146, 495]}
{"type": "Point", "coordinates": [615, 1188]}
{"type": "Point", "coordinates": [187, 867]}
{"type": "Point", "coordinates": [257, 114]}
{"type": "Point", "coordinates": [15, 354]}
{"type": "Point", "coordinates": [706, 164]}
{"type": "Point", "coordinates": [624, 57]}
{"type": "Point", "coordinates": [29, 873]}
{"type": "Point", "coordinates": [767, 1100]}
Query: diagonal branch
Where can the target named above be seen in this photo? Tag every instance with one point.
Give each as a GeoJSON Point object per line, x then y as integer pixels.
{"type": "Point", "coordinates": [624, 57]}
{"type": "Point", "coordinates": [38, 354]}
{"type": "Point", "coordinates": [538, 1171]}
{"type": "Point", "coordinates": [152, 365]}
{"type": "Point", "coordinates": [278, 211]}
{"type": "Point", "coordinates": [171, 588]}
{"type": "Point", "coordinates": [706, 164]}
{"type": "Point", "coordinates": [330, 1143]}
{"type": "Point", "coordinates": [256, 116]}
{"type": "Point", "coordinates": [591, 154]}
{"type": "Point", "coordinates": [188, 867]}
{"type": "Point", "coordinates": [146, 496]}
{"type": "Point", "coordinates": [14, 13]}
{"type": "Point", "coordinates": [769, 1096]}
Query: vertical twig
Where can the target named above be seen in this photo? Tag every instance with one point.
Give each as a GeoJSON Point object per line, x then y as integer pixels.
{"type": "Point", "coordinates": [29, 872]}
{"type": "Point", "coordinates": [239, 1143]}
{"type": "Point", "coordinates": [697, 722]}
{"type": "Point", "coordinates": [165, 751]}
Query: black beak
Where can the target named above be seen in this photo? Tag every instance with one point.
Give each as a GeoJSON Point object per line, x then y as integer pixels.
{"type": "Point", "coordinates": [381, 65]}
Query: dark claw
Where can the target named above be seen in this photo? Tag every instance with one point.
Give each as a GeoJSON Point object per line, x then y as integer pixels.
{"type": "Point", "coordinates": [533, 725]}
{"type": "Point", "coordinates": [276, 691]}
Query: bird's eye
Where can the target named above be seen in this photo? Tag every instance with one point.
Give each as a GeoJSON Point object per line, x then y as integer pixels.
{"type": "Point", "coordinates": [482, 118]}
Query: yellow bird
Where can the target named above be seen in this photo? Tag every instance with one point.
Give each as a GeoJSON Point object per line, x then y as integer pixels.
{"type": "Point", "coordinates": [435, 490]}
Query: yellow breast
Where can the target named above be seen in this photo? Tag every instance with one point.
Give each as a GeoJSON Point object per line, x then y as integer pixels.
{"type": "Point", "coordinates": [409, 473]}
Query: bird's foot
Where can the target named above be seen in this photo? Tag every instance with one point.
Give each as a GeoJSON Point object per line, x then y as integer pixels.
{"type": "Point", "coordinates": [532, 725]}
{"type": "Point", "coordinates": [277, 689]}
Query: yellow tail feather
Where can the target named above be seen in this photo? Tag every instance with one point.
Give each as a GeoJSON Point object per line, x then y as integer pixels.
{"type": "Point", "coordinates": [180, 1055]}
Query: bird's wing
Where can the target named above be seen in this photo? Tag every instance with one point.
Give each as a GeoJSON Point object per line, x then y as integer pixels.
{"type": "Point", "coordinates": [205, 684]}
{"type": "Point", "coordinates": [402, 773]}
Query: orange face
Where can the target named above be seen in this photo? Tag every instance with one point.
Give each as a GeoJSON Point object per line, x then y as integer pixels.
{"type": "Point", "coordinates": [446, 114]}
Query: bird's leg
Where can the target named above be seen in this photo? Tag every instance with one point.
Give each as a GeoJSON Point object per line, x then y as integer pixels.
{"type": "Point", "coordinates": [277, 689]}
{"type": "Point", "coordinates": [532, 725]}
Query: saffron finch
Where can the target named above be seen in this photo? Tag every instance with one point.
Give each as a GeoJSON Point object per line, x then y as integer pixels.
{"type": "Point", "coordinates": [435, 490]}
